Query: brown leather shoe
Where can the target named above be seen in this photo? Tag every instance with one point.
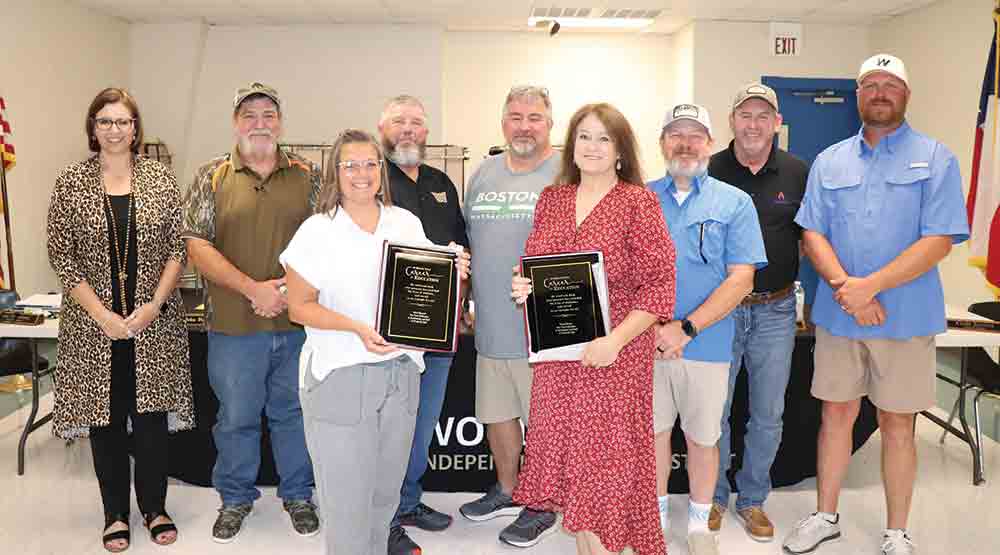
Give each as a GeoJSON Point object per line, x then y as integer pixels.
{"type": "Point", "coordinates": [715, 517]}
{"type": "Point", "coordinates": [756, 523]}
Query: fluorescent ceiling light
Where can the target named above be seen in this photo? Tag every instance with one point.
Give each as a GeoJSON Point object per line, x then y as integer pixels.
{"type": "Point", "coordinates": [592, 22]}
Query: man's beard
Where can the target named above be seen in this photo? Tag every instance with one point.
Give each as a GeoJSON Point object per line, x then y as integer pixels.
{"type": "Point", "coordinates": [682, 168]}
{"type": "Point", "coordinates": [409, 155]}
{"type": "Point", "coordinates": [523, 149]}
{"type": "Point", "coordinates": [248, 146]}
{"type": "Point", "coordinates": [894, 117]}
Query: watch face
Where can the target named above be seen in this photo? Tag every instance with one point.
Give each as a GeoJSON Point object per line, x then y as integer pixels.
{"type": "Point", "coordinates": [688, 328]}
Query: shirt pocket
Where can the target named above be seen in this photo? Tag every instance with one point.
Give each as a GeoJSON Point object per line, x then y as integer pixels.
{"type": "Point", "coordinates": [905, 190]}
{"type": "Point", "coordinates": [707, 239]}
{"type": "Point", "coordinates": [842, 198]}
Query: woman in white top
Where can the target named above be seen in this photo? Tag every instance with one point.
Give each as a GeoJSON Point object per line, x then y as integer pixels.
{"type": "Point", "coordinates": [359, 394]}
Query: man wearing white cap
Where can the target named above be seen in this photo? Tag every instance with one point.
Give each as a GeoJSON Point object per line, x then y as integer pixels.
{"type": "Point", "coordinates": [882, 208]}
{"type": "Point", "coordinates": [719, 246]}
{"type": "Point", "coordinates": [765, 319]}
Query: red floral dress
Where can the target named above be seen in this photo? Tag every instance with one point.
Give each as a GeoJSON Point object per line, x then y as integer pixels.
{"type": "Point", "coordinates": [590, 451]}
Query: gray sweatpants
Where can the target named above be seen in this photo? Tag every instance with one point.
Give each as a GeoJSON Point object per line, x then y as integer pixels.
{"type": "Point", "coordinates": [359, 425]}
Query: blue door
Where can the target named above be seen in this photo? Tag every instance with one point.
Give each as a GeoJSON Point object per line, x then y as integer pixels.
{"type": "Point", "coordinates": [816, 112]}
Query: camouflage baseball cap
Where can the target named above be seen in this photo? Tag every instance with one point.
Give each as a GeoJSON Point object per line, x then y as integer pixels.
{"type": "Point", "coordinates": [255, 88]}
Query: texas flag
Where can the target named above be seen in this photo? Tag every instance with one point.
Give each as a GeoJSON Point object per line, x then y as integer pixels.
{"type": "Point", "coordinates": [984, 187]}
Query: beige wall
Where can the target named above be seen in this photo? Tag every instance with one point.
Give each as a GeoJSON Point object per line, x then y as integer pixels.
{"type": "Point", "coordinates": [728, 54]}
{"type": "Point", "coordinates": [945, 46]}
{"type": "Point", "coordinates": [330, 77]}
{"type": "Point", "coordinates": [165, 86]}
{"type": "Point", "coordinates": [633, 72]}
{"type": "Point", "coordinates": [56, 57]}
{"type": "Point", "coordinates": [683, 57]}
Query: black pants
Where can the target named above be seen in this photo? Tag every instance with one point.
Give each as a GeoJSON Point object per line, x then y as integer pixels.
{"type": "Point", "coordinates": [110, 444]}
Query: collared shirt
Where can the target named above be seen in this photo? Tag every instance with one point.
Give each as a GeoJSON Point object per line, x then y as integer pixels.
{"type": "Point", "coordinates": [871, 205]}
{"type": "Point", "coordinates": [249, 220]}
{"type": "Point", "coordinates": [348, 289]}
{"type": "Point", "coordinates": [433, 199]}
{"type": "Point", "coordinates": [777, 190]}
{"type": "Point", "coordinates": [716, 226]}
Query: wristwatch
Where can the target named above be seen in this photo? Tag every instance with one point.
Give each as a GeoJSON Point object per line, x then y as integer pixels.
{"type": "Point", "coordinates": [689, 329]}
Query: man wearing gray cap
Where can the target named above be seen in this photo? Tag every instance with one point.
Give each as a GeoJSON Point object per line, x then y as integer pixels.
{"type": "Point", "coordinates": [765, 319]}
{"type": "Point", "coordinates": [882, 208]}
{"type": "Point", "coordinates": [240, 212]}
{"type": "Point", "coordinates": [715, 231]}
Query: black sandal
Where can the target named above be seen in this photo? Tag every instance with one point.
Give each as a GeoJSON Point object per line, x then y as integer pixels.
{"type": "Point", "coordinates": [155, 531]}
{"type": "Point", "coordinates": [125, 534]}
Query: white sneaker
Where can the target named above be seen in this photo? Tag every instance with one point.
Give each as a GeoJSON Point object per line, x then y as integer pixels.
{"type": "Point", "coordinates": [810, 532]}
{"type": "Point", "coordinates": [703, 543]}
{"type": "Point", "coordinates": [896, 542]}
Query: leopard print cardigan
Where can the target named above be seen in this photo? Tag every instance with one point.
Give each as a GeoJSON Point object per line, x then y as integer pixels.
{"type": "Point", "coordinates": [78, 250]}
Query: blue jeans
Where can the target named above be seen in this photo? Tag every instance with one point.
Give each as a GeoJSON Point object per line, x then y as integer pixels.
{"type": "Point", "coordinates": [765, 338]}
{"type": "Point", "coordinates": [433, 383]}
{"type": "Point", "coordinates": [250, 374]}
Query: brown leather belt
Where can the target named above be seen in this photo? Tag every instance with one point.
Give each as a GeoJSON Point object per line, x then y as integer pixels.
{"type": "Point", "coordinates": [764, 297]}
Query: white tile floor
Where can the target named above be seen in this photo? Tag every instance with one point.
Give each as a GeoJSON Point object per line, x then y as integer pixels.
{"type": "Point", "coordinates": [55, 508]}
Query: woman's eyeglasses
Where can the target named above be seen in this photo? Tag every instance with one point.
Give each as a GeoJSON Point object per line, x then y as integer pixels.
{"type": "Point", "coordinates": [352, 167]}
{"type": "Point", "coordinates": [104, 124]}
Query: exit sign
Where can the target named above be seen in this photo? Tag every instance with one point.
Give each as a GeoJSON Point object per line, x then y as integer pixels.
{"type": "Point", "coordinates": [786, 39]}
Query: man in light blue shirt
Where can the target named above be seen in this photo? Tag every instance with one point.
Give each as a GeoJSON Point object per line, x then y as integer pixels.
{"type": "Point", "coordinates": [719, 245]}
{"type": "Point", "coordinates": [882, 208]}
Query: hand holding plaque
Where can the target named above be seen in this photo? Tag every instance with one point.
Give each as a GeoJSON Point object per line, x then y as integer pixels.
{"type": "Point", "coordinates": [419, 296]}
{"type": "Point", "coordinates": [567, 306]}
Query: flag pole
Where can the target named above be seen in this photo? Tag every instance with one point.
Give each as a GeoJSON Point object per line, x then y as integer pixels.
{"type": "Point", "coordinates": [6, 223]}
{"type": "Point", "coordinates": [18, 382]}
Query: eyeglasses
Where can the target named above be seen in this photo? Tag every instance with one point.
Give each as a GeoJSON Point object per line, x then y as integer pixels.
{"type": "Point", "coordinates": [352, 167]}
{"type": "Point", "coordinates": [104, 124]}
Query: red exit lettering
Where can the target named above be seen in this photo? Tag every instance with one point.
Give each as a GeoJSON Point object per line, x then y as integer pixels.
{"type": "Point", "coordinates": [784, 46]}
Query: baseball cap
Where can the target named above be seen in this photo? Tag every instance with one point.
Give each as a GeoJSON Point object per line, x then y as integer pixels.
{"type": "Point", "coordinates": [256, 88]}
{"type": "Point", "coordinates": [756, 90]}
{"type": "Point", "coordinates": [884, 62]}
{"type": "Point", "coordinates": [693, 112]}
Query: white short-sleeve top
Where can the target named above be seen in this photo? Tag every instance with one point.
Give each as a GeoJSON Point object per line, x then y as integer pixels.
{"type": "Point", "coordinates": [342, 261]}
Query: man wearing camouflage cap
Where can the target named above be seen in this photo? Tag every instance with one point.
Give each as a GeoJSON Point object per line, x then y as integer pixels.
{"type": "Point", "coordinates": [240, 212]}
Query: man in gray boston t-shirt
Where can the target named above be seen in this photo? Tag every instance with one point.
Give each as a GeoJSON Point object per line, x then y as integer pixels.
{"type": "Point", "coordinates": [499, 213]}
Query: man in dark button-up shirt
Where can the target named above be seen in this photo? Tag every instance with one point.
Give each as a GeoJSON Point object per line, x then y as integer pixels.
{"type": "Point", "coordinates": [765, 320]}
{"type": "Point", "coordinates": [430, 194]}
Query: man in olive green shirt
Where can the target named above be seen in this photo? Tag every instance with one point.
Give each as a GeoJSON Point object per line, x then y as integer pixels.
{"type": "Point", "coordinates": [241, 211]}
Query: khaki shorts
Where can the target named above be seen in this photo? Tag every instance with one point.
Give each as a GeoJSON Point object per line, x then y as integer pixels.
{"type": "Point", "coordinates": [695, 390]}
{"type": "Point", "coordinates": [896, 375]}
{"type": "Point", "coordinates": [503, 389]}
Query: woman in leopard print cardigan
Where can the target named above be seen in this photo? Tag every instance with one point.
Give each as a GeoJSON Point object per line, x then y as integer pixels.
{"type": "Point", "coordinates": [113, 240]}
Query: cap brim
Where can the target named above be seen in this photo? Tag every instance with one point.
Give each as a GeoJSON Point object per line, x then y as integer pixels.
{"type": "Point", "coordinates": [240, 100]}
{"type": "Point", "coordinates": [760, 96]}
{"type": "Point", "coordinates": [879, 70]}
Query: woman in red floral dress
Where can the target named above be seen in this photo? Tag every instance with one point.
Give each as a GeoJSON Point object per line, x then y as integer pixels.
{"type": "Point", "coordinates": [590, 447]}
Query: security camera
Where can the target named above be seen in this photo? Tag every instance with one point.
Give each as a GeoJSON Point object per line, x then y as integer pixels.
{"type": "Point", "coordinates": [554, 28]}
